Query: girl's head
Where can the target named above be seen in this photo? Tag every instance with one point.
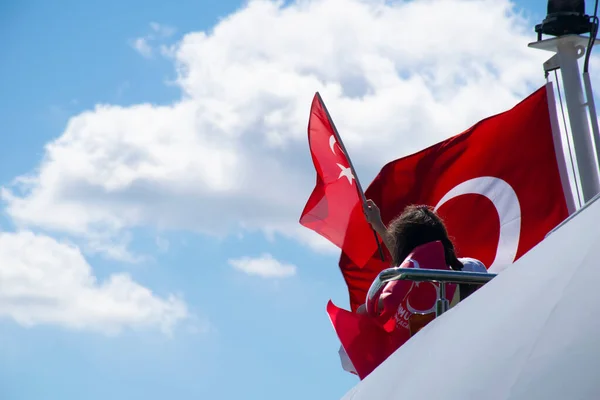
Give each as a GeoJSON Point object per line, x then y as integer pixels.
{"type": "Point", "coordinates": [418, 225]}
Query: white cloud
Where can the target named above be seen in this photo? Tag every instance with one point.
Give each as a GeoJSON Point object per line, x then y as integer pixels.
{"type": "Point", "coordinates": [43, 281]}
{"type": "Point", "coordinates": [264, 266]}
{"type": "Point", "coordinates": [161, 30]}
{"type": "Point", "coordinates": [232, 155]}
{"type": "Point", "coordinates": [143, 45]}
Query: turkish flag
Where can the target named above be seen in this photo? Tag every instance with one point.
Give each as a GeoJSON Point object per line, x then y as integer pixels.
{"type": "Point", "coordinates": [366, 343]}
{"type": "Point", "coordinates": [336, 198]}
{"type": "Point", "coordinates": [498, 187]}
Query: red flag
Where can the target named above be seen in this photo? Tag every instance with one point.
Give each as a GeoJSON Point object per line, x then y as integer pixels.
{"type": "Point", "coordinates": [498, 186]}
{"type": "Point", "coordinates": [336, 198]}
{"type": "Point", "coordinates": [365, 342]}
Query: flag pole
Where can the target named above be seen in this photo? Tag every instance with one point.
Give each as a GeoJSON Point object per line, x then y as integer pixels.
{"type": "Point", "coordinates": [358, 185]}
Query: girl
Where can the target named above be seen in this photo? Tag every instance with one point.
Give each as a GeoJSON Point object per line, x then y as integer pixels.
{"type": "Point", "coordinates": [416, 226]}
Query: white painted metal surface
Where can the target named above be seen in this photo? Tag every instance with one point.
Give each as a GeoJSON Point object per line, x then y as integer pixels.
{"type": "Point", "coordinates": [531, 333]}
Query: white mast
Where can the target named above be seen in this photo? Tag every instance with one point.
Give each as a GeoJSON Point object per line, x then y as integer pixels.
{"type": "Point", "coordinates": [566, 21]}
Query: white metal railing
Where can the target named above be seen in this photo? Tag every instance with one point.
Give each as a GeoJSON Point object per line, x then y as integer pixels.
{"type": "Point", "coordinates": [442, 277]}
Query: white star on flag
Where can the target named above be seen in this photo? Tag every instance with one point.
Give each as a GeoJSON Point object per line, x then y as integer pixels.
{"type": "Point", "coordinates": [347, 172]}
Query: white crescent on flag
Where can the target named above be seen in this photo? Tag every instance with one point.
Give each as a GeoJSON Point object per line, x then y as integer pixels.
{"type": "Point", "coordinates": [332, 143]}
{"type": "Point", "coordinates": [507, 205]}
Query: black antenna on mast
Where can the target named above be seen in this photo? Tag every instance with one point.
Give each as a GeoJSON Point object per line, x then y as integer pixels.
{"type": "Point", "coordinates": [565, 17]}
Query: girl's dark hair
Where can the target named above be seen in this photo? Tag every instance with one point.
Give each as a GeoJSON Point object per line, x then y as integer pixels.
{"type": "Point", "coordinates": [418, 225]}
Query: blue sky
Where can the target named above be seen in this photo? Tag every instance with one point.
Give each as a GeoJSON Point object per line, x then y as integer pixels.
{"type": "Point", "coordinates": [244, 334]}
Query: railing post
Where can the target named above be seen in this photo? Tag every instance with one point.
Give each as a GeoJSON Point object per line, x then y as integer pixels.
{"type": "Point", "coordinates": [442, 304]}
